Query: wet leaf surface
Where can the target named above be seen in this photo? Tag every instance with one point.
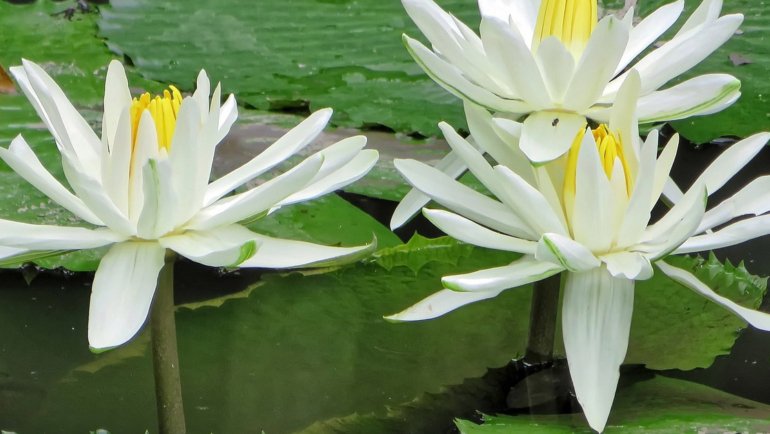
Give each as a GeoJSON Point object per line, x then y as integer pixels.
{"type": "Point", "coordinates": [660, 405]}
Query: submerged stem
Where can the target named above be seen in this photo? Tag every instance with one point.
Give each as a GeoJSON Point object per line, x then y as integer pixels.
{"type": "Point", "coordinates": [542, 320]}
{"type": "Point", "coordinates": [168, 388]}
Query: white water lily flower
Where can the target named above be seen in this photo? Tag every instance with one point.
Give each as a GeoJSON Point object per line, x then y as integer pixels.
{"type": "Point", "coordinates": [555, 62]}
{"type": "Point", "coordinates": [587, 215]}
{"type": "Point", "coordinates": [145, 185]}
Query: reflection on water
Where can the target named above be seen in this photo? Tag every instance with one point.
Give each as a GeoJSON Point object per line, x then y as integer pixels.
{"type": "Point", "coordinates": [291, 351]}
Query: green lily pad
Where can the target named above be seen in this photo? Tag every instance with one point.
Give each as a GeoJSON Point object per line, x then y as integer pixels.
{"type": "Point", "coordinates": [746, 57]}
{"type": "Point", "coordinates": [660, 405]}
{"type": "Point", "coordinates": [343, 54]}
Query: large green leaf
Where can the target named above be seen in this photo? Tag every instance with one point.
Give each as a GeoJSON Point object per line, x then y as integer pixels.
{"type": "Point", "coordinates": [660, 405]}
{"type": "Point", "coordinates": [344, 54]}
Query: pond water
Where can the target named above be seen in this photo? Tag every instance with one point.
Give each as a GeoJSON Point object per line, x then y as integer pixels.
{"type": "Point", "coordinates": [294, 353]}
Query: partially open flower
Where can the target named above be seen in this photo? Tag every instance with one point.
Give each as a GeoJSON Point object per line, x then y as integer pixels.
{"type": "Point", "coordinates": [145, 186]}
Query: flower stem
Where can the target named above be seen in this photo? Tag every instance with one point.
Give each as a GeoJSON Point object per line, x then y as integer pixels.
{"type": "Point", "coordinates": [168, 388]}
{"type": "Point", "coordinates": [542, 320]}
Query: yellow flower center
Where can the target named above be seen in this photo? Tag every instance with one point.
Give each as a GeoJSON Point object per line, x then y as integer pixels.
{"type": "Point", "coordinates": [571, 21]}
{"type": "Point", "coordinates": [163, 109]}
{"type": "Point", "coordinates": [610, 150]}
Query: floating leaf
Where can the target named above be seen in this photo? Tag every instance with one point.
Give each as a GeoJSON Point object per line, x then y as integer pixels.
{"type": "Point", "coordinates": [660, 405]}
{"type": "Point", "coordinates": [347, 55]}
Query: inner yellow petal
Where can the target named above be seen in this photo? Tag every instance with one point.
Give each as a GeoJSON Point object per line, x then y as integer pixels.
{"type": "Point", "coordinates": [610, 150]}
{"type": "Point", "coordinates": [163, 109]}
{"type": "Point", "coordinates": [571, 21]}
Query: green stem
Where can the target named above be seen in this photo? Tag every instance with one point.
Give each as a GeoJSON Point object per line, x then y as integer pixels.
{"type": "Point", "coordinates": [542, 320]}
{"type": "Point", "coordinates": [168, 387]}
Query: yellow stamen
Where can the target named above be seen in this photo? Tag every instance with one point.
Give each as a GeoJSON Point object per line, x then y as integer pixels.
{"type": "Point", "coordinates": [163, 109]}
{"type": "Point", "coordinates": [571, 21]}
{"type": "Point", "coordinates": [610, 150]}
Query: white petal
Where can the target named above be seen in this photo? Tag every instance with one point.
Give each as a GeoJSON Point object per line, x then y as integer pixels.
{"type": "Point", "coordinates": [522, 14]}
{"type": "Point", "coordinates": [48, 237]}
{"type": "Point", "coordinates": [52, 122]}
{"type": "Point", "coordinates": [546, 135]}
{"type": "Point", "coordinates": [462, 199]}
{"type": "Point", "coordinates": [20, 157]}
{"type": "Point", "coordinates": [187, 171]}
{"type": "Point", "coordinates": [282, 253]}
{"type": "Point", "coordinates": [706, 13]}
{"type": "Point", "coordinates": [597, 64]}
{"type": "Point", "coordinates": [354, 170]}
{"type": "Point", "coordinates": [122, 292]}
{"type": "Point", "coordinates": [338, 155]}
{"type": "Point", "coordinates": [228, 114]}
{"type": "Point", "coordinates": [565, 252]}
{"type": "Point", "coordinates": [460, 46]}
{"type": "Point", "coordinates": [225, 246]}
{"type": "Point", "coordinates": [73, 129]}
{"type": "Point", "coordinates": [631, 265]}
{"type": "Point", "coordinates": [117, 162]}
{"type": "Point", "coordinates": [259, 199]}
{"type": "Point", "coordinates": [521, 272]}
{"type": "Point", "coordinates": [729, 162]}
{"type": "Point", "coordinates": [289, 144]}
{"type": "Point", "coordinates": [731, 235]}
{"type": "Point", "coordinates": [516, 61]}
{"type": "Point", "coordinates": [648, 30]}
{"type": "Point", "coordinates": [90, 190]}
{"type": "Point", "coordinates": [591, 215]}
{"type": "Point", "coordinates": [637, 215]}
{"type": "Point", "coordinates": [117, 97]}
{"type": "Point", "coordinates": [663, 170]}
{"type": "Point", "coordinates": [596, 321]}
{"type": "Point", "coordinates": [527, 202]}
{"type": "Point", "coordinates": [754, 199]}
{"type": "Point", "coordinates": [161, 201]}
{"type": "Point", "coordinates": [702, 95]}
{"type": "Point", "coordinates": [497, 138]}
{"type": "Point", "coordinates": [679, 55]}
{"type": "Point", "coordinates": [145, 148]}
{"type": "Point", "coordinates": [480, 168]}
{"type": "Point", "coordinates": [201, 94]}
{"type": "Point", "coordinates": [472, 233]}
{"type": "Point", "coordinates": [556, 66]}
{"type": "Point", "coordinates": [757, 319]}
{"type": "Point", "coordinates": [673, 236]}
{"type": "Point", "coordinates": [451, 79]}
{"type": "Point", "coordinates": [452, 165]}
{"type": "Point", "coordinates": [440, 303]}
{"type": "Point", "coordinates": [623, 118]}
